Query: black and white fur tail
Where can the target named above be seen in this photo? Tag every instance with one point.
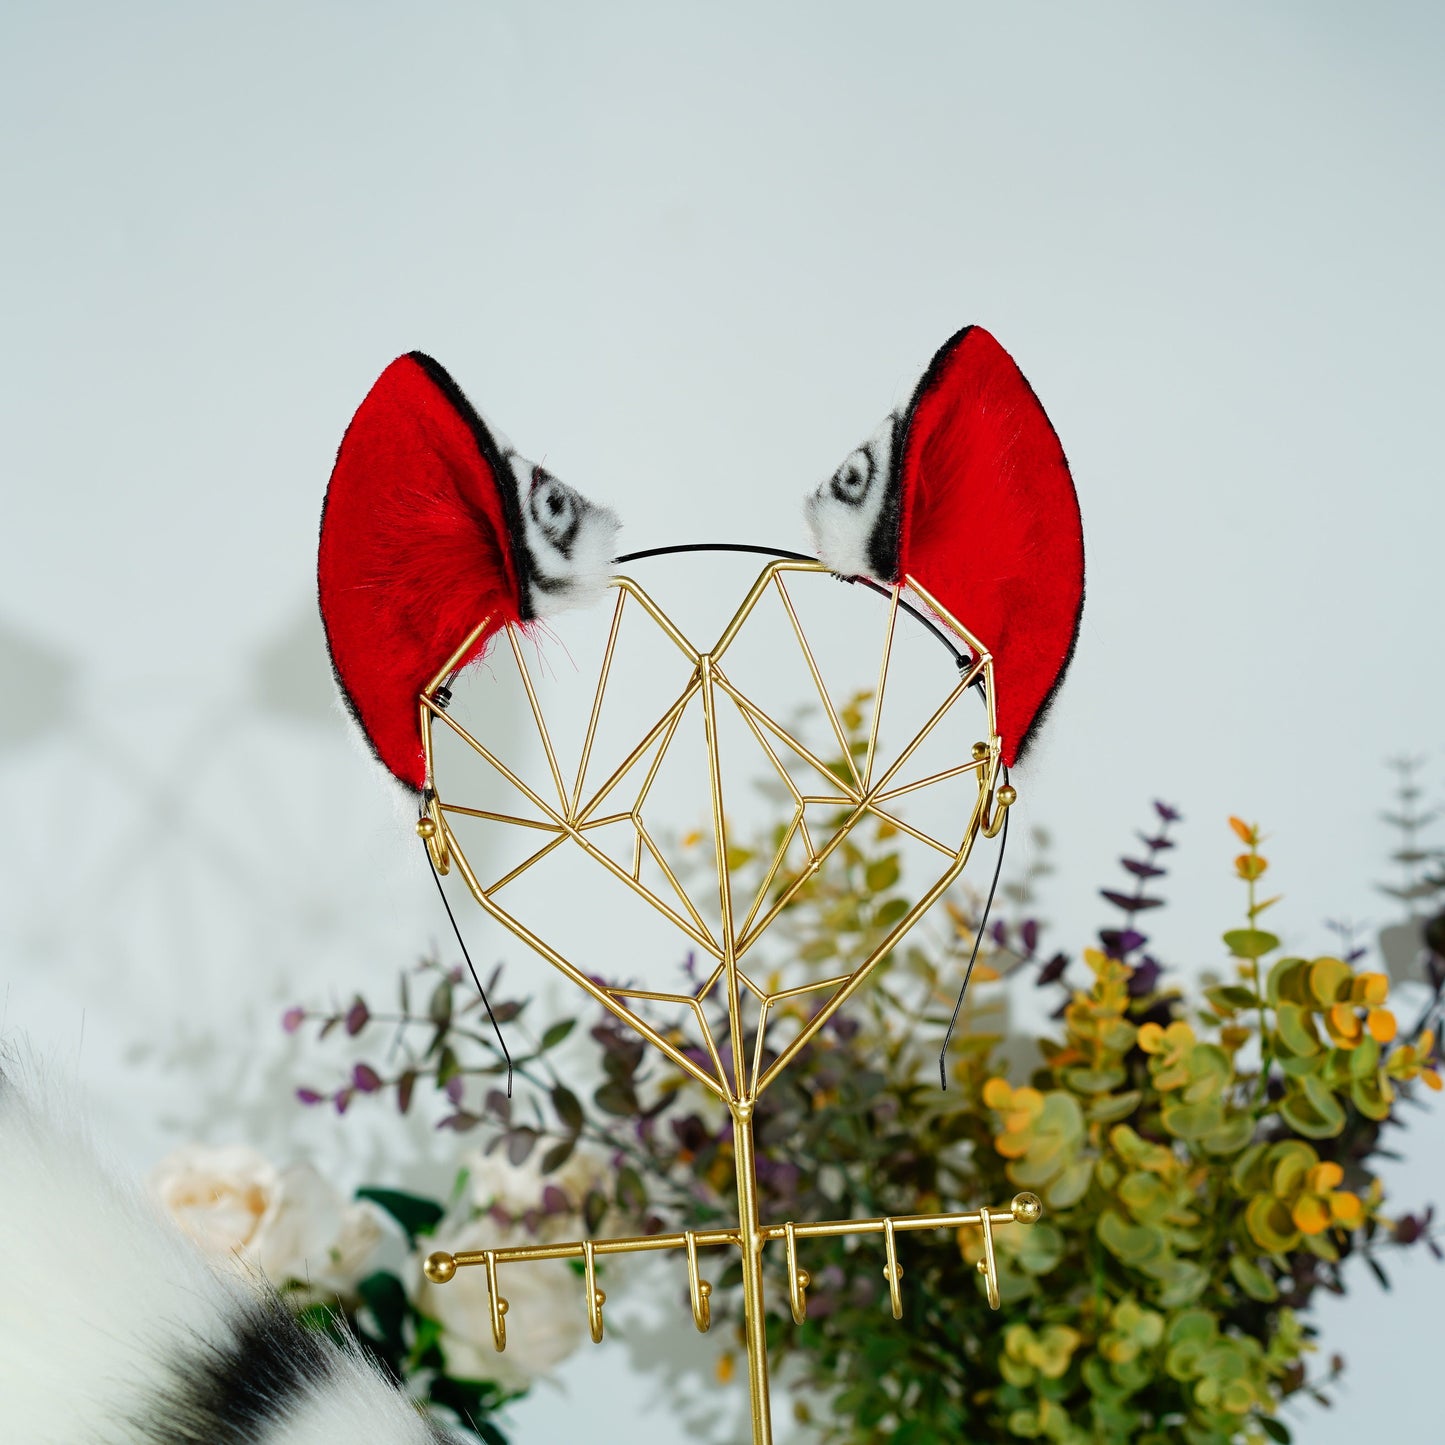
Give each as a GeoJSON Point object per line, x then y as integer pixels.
{"type": "Point", "coordinates": [114, 1330]}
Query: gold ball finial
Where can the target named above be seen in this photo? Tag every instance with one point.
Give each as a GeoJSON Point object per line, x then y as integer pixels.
{"type": "Point", "coordinates": [704, 1288]}
{"type": "Point", "coordinates": [980, 752]}
{"type": "Point", "coordinates": [439, 1267]}
{"type": "Point", "coordinates": [1027, 1208]}
{"type": "Point", "coordinates": [1008, 795]}
{"type": "Point", "coordinates": [425, 828]}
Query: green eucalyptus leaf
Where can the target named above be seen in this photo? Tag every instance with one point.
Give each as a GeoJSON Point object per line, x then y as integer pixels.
{"type": "Point", "coordinates": [1114, 1107]}
{"type": "Point", "coordinates": [1231, 1136]}
{"type": "Point", "coordinates": [1288, 982]}
{"type": "Point", "coordinates": [417, 1216]}
{"type": "Point", "coordinates": [1250, 942]}
{"type": "Point", "coordinates": [1133, 1244]}
{"type": "Point", "coordinates": [1070, 1186]}
{"type": "Point", "coordinates": [1252, 1279]}
{"type": "Point", "coordinates": [557, 1033]}
{"type": "Point", "coordinates": [1301, 1111]}
{"type": "Point", "coordinates": [1373, 1096]}
{"type": "Point", "coordinates": [1094, 1081]}
{"type": "Point", "coordinates": [1231, 997]}
{"type": "Point", "coordinates": [1296, 1029]}
{"type": "Point", "coordinates": [882, 873]}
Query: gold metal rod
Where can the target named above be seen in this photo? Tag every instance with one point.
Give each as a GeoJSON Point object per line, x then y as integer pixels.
{"type": "Point", "coordinates": [969, 767]}
{"type": "Point", "coordinates": [838, 735]}
{"type": "Point", "coordinates": [988, 1265]}
{"type": "Point", "coordinates": [798, 1279]}
{"type": "Point", "coordinates": [541, 722]}
{"type": "Point", "coordinates": [778, 859]}
{"type": "Point", "coordinates": [964, 683]}
{"type": "Point", "coordinates": [572, 1249]}
{"type": "Point", "coordinates": [606, 822]}
{"type": "Point", "coordinates": [784, 776]}
{"type": "Point", "coordinates": [783, 564]}
{"type": "Point", "coordinates": [454, 661]}
{"type": "Point", "coordinates": [748, 707]}
{"type": "Point", "coordinates": [582, 981]}
{"type": "Point", "coordinates": [522, 867]}
{"type": "Point", "coordinates": [803, 988]}
{"type": "Point", "coordinates": [595, 1298]}
{"type": "Point", "coordinates": [497, 763]}
{"type": "Point", "coordinates": [724, 876]}
{"type": "Point", "coordinates": [458, 809]}
{"type": "Point", "coordinates": [944, 615]}
{"type": "Point", "coordinates": [917, 834]}
{"type": "Point", "coordinates": [699, 1289]}
{"type": "Point", "coordinates": [705, 1029]}
{"type": "Point", "coordinates": [625, 766]}
{"type": "Point", "coordinates": [677, 888]}
{"type": "Point", "coordinates": [846, 992]}
{"type": "Point", "coordinates": [602, 677]}
{"type": "Point", "coordinates": [759, 1035]}
{"type": "Point", "coordinates": [872, 752]}
{"type": "Point", "coordinates": [658, 616]}
{"type": "Point", "coordinates": [1017, 1213]}
{"type": "Point", "coordinates": [653, 996]}
{"type": "Point", "coordinates": [892, 1271]}
{"type": "Point", "coordinates": [754, 1323]}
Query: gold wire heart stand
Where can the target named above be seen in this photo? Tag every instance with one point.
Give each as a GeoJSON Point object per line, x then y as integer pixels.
{"type": "Point", "coordinates": [856, 790]}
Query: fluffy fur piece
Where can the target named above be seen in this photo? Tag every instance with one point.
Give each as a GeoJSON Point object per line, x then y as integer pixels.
{"type": "Point", "coordinates": [115, 1331]}
{"type": "Point", "coordinates": [978, 506]}
{"type": "Point", "coordinates": [431, 523]}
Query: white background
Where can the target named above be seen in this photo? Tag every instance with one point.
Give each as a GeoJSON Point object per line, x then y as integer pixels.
{"type": "Point", "coordinates": [691, 253]}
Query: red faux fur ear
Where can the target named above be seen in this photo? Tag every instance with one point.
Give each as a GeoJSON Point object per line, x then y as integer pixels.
{"type": "Point", "coordinates": [415, 551]}
{"type": "Point", "coordinates": [990, 523]}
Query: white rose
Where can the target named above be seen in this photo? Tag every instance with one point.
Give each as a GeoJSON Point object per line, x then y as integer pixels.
{"type": "Point", "coordinates": [290, 1224]}
{"type": "Point", "coordinates": [546, 1312]}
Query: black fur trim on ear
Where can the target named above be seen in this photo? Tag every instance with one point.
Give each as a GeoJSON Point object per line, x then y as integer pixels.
{"type": "Point", "coordinates": [494, 457]}
{"type": "Point", "coordinates": [885, 539]}
{"type": "Point", "coordinates": [243, 1392]}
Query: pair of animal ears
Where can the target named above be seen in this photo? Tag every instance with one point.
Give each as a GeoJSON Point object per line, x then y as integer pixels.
{"type": "Point", "coordinates": [433, 522]}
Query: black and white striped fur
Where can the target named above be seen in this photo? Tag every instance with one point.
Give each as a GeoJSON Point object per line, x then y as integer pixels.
{"type": "Point", "coordinates": [567, 543]}
{"type": "Point", "coordinates": [854, 515]}
{"type": "Point", "coordinates": [114, 1330]}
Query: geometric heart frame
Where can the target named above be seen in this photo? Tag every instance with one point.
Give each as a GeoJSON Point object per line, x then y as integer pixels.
{"type": "Point", "coordinates": [589, 810]}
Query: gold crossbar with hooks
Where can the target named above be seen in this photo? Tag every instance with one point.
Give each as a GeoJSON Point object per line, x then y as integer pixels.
{"type": "Point", "coordinates": [440, 1267]}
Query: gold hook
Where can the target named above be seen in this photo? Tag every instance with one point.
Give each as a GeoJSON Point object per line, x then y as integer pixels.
{"type": "Point", "coordinates": [498, 1304]}
{"type": "Point", "coordinates": [1003, 799]}
{"type": "Point", "coordinates": [798, 1279]}
{"type": "Point", "coordinates": [432, 831]}
{"type": "Point", "coordinates": [892, 1271]}
{"type": "Point", "coordinates": [595, 1298]}
{"type": "Point", "coordinates": [988, 1265]}
{"type": "Point", "coordinates": [700, 1289]}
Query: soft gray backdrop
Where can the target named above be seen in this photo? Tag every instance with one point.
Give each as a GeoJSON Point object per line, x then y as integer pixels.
{"type": "Point", "coordinates": [691, 253]}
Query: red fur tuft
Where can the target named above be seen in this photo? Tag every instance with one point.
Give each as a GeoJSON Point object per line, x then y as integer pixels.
{"type": "Point", "coordinates": [990, 522]}
{"type": "Point", "coordinates": [414, 553]}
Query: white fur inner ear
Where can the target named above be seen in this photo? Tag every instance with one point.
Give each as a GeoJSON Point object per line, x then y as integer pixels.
{"type": "Point", "coordinates": [843, 513]}
{"type": "Point", "coordinates": [570, 542]}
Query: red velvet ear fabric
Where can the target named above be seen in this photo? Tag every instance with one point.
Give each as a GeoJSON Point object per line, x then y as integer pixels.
{"type": "Point", "coordinates": [415, 551]}
{"type": "Point", "coordinates": [990, 522]}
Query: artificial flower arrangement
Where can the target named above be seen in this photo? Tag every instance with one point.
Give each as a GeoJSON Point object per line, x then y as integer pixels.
{"type": "Point", "coordinates": [1206, 1162]}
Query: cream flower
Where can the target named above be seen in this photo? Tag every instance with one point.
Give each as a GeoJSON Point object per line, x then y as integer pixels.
{"type": "Point", "coordinates": [291, 1225]}
{"type": "Point", "coordinates": [494, 1182]}
{"type": "Point", "coordinates": [546, 1313]}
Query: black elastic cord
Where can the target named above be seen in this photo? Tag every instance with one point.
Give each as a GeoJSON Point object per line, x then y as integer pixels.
{"type": "Point", "coordinates": [918, 616]}
{"type": "Point", "coordinates": [461, 943]}
{"type": "Point", "coordinates": [973, 956]}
